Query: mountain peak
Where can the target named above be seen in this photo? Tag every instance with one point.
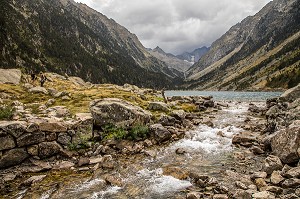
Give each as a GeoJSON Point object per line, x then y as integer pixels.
{"type": "Point", "coordinates": [158, 49]}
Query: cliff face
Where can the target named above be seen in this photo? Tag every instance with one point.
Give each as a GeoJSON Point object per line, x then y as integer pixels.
{"type": "Point", "coordinates": [67, 37]}
{"type": "Point", "coordinates": [260, 52]}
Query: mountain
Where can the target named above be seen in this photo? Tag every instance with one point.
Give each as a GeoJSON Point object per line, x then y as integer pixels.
{"type": "Point", "coordinates": [171, 60]}
{"type": "Point", "coordinates": [261, 52]}
{"type": "Point", "coordinates": [70, 38]}
{"type": "Point", "coordinates": [195, 55]}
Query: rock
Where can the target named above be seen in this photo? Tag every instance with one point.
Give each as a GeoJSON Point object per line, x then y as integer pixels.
{"type": "Point", "coordinates": [166, 120]}
{"type": "Point", "coordinates": [14, 128]}
{"type": "Point", "coordinates": [242, 194]}
{"type": "Point", "coordinates": [77, 81]}
{"type": "Point", "coordinates": [63, 165]}
{"type": "Point", "coordinates": [179, 114]}
{"type": "Point", "coordinates": [291, 94]}
{"type": "Point", "coordinates": [32, 127]}
{"type": "Point", "coordinates": [160, 133]}
{"type": "Point", "coordinates": [259, 175]}
{"type": "Point", "coordinates": [33, 150]}
{"type": "Point", "coordinates": [273, 112]}
{"type": "Point", "coordinates": [64, 138]}
{"type": "Point", "coordinates": [209, 103]}
{"type": "Point", "coordinates": [293, 173]}
{"type": "Point", "coordinates": [83, 161]}
{"type": "Point", "coordinates": [291, 183]}
{"type": "Point", "coordinates": [10, 76]}
{"type": "Point", "coordinates": [85, 118]}
{"type": "Point", "coordinates": [58, 111]}
{"type": "Point", "coordinates": [38, 89]}
{"type": "Point", "coordinates": [257, 150]}
{"type": "Point", "coordinates": [263, 195]}
{"type": "Point", "coordinates": [50, 102]}
{"type": "Point", "coordinates": [31, 138]}
{"type": "Point", "coordinates": [41, 164]}
{"type": "Point", "coordinates": [54, 127]}
{"type": "Point", "coordinates": [176, 172]}
{"type": "Point", "coordinates": [180, 151]}
{"type": "Point", "coordinates": [194, 195]}
{"type": "Point", "coordinates": [244, 137]}
{"type": "Point", "coordinates": [272, 163]}
{"type": "Point", "coordinates": [108, 165]}
{"type": "Point", "coordinates": [158, 106]}
{"type": "Point", "coordinates": [7, 142]}
{"type": "Point", "coordinates": [286, 143]}
{"type": "Point", "coordinates": [33, 180]}
{"type": "Point", "coordinates": [48, 149]}
{"type": "Point", "coordinates": [113, 180]}
{"type": "Point", "coordinates": [260, 183]}
{"type": "Point", "coordinates": [273, 189]}
{"type": "Point", "coordinates": [96, 160]}
{"type": "Point", "coordinates": [118, 112]}
{"type": "Point", "coordinates": [220, 196]}
{"type": "Point", "coordinates": [61, 94]}
{"type": "Point", "coordinates": [254, 109]}
{"type": "Point", "coordinates": [13, 157]}
{"type": "Point", "coordinates": [241, 185]}
{"type": "Point", "coordinates": [276, 177]}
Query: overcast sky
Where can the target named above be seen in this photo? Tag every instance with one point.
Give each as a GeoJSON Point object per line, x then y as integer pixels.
{"type": "Point", "coordinates": [177, 25]}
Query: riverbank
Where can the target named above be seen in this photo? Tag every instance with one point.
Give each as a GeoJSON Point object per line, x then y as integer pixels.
{"type": "Point", "coordinates": [191, 147]}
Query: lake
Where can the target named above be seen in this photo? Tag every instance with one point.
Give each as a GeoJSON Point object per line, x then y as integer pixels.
{"type": "Point", "coordinates": [227, 95]}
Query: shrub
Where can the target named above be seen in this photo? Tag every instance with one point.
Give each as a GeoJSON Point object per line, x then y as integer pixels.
{"type": "Point", "coordinates": [6, 112]}
{"type": "Point", "coordinates": [138, 132]}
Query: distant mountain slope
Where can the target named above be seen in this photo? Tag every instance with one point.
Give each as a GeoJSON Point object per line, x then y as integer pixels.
{"type": "Point", "coordinates": [195, 55]}
{"type": "Point", "coordinates": [66, 37]}
{"type": "Point", "coordinates": [261, 52]}
{"type": "Point", "coordinates": [171, 60]}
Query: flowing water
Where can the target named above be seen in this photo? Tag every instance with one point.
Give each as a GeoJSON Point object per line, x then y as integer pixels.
{"type": "Point", "coordinates": [208, 151]}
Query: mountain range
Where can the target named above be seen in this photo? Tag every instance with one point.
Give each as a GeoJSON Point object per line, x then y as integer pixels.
{"type": "Point", "coordinates": [262, 52]}
{"type": "Point", "coordinates": [259, 53]}
{"type": "Point", "coordinates": [70, 38]}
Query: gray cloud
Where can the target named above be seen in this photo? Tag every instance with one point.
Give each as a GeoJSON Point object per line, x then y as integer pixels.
{"type": "Point", "coordinates": [176, 25]}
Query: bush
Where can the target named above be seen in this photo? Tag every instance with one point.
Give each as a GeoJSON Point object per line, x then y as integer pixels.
{"type": "Point", "coordinates": [138, 132]}
{"type": "Point", "coordinates": [6, 112]}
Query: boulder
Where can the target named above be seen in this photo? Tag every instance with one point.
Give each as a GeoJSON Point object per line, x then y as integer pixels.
{"type": "Point", "coordinates": [160, 133]}
{"type": "Point", "coordinates": [64, 138]}
{"type": "Point", "coordinates": [286, 144]}
{"type": "Point", "coordinates": [33, 180]}
{"type": "Point", "coordinates": [272, 163]}
{"type": "Point", "coordinates": [194, 195]}
{"type": "Point", "coordinates": [38, 89]}
{"type": "Point", "coordinates": [276, 177]}
{"type": "Point", "coordinates": [158, 106]}
{"type": "Point", "coordinates": [14, 128]}
{"type": "Point", "coordinates": [291, 183]}
{"type": "Point", "coordinates": [48, 149]}
{"type": "Point", "coordinates": [179, 114]}
{"type": "Point", "coordinates": [293, 173]}
{"type": "Point", "coordinates": [291, 94]}
{"type": "Point", "coordinates": [13, 157]}
{"type": "Point", "coordinates": [58, 111]}
{"type": "Point", "coordinates": [54, 127]}
{"type": "Point", "coordinates": [7, 142]}
{"type": "Point", "coordinates": [166, 120]}
{"type": "Point", "coordinates": [31, 138]}
{"type": "Point", "coordinates": [118, 112]}
{"type": "Point", "coordinates": [11, 76]}
{"type": "Point", "coordinates": [220, 196]}
{"type": "Point", "coordinates": [77, 81]}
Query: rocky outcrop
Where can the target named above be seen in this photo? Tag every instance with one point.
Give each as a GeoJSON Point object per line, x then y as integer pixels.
{"type": "Point", "coordinates": [286, 145]}
{"type": "Point", "coordinates": [11, 76]}
{"type": "Point", "coordinates": [118, 112]}
{"type": "Point", "coordinates": [291, 94]}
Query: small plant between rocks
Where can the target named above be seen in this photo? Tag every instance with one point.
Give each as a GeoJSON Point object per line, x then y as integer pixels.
{"type": "Point", "coordinates": [6, 112]}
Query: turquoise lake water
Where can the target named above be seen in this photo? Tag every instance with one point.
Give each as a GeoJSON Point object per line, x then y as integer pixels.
{"type": "Point", "coordinates": [227, 95]}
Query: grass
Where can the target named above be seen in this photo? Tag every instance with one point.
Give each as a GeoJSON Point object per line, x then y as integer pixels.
{"type": "Point", "coordinates": [6, 112]}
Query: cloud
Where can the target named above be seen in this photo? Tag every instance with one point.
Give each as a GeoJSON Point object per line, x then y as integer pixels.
{"type": "Point", "coordinates": [176, 25]}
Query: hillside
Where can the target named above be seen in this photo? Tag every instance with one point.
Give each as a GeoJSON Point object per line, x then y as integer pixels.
{"type": "Point", "coordinates": [70, 38]}
{"type": "Point", "coordinates": [259, 53]}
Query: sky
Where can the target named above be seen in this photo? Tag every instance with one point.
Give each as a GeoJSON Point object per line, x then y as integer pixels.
{"type": "Point", "coordinates": [177, 26]}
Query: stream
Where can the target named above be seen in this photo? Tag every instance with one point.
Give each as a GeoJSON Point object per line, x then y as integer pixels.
{"type": "Point", "coordinates": [208, 151]}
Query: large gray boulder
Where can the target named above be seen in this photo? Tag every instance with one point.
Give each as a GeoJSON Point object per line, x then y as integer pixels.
{"type": "Point", "coordinates": [291, 94]}
{"type": "Point", "coordinates": [12, 76]}
{"type": "Point", "coordinates": [158, 106]}
{"type": "Point", "coordinates": [38, 89]}
{"type": "Point", "coordinates": [160, 133]}
{"type": "Point", "coordinates": [48, 149]}
{"type": "Point", "coordinates": [118, 112]}
{"type": "Point", "coordinates": [286, 145]}
{"type": "Point", "coordinates": [13, 157]}
{"type": "Point", "coordinates": [14, 128]}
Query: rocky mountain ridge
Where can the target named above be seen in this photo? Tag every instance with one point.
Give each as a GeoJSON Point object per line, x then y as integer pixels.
{"type": "Point", "coordinates": [261, 52]}
{"type": "Point", "coordinates": [171, 60]}
{"type": "Point", "coordinates": [195, 55]}
{"type": "Point", "coordinates": [70, 38]}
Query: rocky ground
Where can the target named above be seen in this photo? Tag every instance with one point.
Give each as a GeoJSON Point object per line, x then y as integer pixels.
{"type": "Point", "coordinates": [71, 129]}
